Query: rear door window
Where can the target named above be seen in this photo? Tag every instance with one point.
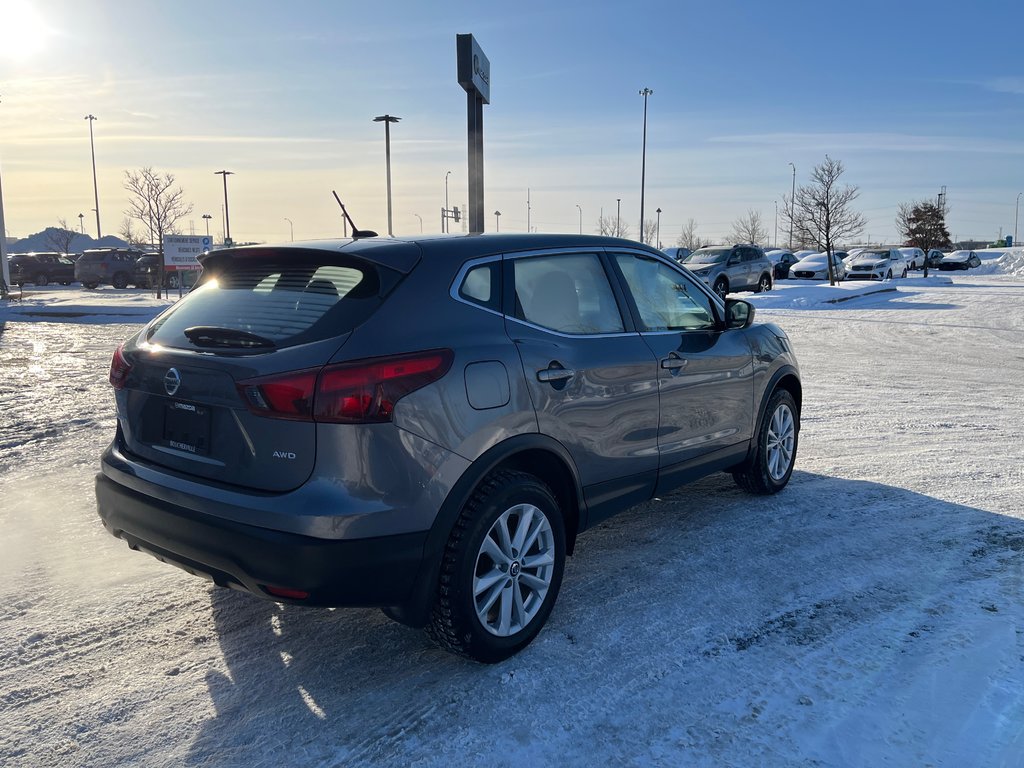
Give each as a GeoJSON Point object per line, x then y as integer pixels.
{"type": "Point", "coordinates": [273, 303]}
{"type": "Point", "coordinates": [568, 293]}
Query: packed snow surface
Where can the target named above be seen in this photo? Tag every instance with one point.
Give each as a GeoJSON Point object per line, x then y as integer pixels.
{"type": "Point", "coordinates": [868, 615]}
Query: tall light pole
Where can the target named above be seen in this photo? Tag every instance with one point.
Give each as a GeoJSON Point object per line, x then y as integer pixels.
{"type": "Point", "coordinates": [776, 224]}
{"type": "Point", "coordinates": [95, 187]}
{"type": "Point", "coordinates": [207, 218]}
{"type": "Point", "coordinates": [497, 220]}
{"type": "Point", "coordinates": [5, 271]}
{"type": "Point", "coordinates": [421, 221]}
{"type": "Point", "coordinates": [1015, 212]}
{"type": "Point", "coordinates": [81, 223]}
{"type": "Point", "coordinates": [657, 231]}
{"type": "Point", "coordinates": [227, 215]}
{"type": "Point", "coordinates": [618, 216]}
{"type": "Point", "coordinates": [581, 217]}
{"type": "Point", "coordinates": [643, 163]}
{"type": "Point", "coordinates": [444, 219]}
{"type": "Point", "coordinates": [792, 207]}
{"type": "Point", "coordinates": [388, 120]}
{"type": "Point", "coordinates": [291, 228]}
{"type": "Point", "coordinates": [528, 209]}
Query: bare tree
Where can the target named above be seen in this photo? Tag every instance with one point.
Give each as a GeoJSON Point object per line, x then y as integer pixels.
{"type": "Point", "coordinates": [131, 235]}
{"type": "Point", "coordinates": [59, 238]}
{"type": "Point", "coordinates": [156, 204]}
{"type": "Point", "coordinates": [650, 231]}
{"type": "Point", "coordinates": [822, 212]}
{"type": "Point", "coordinates": [749, 228]}
{"type": "Point", "coordinates": [689, 238]}
{"type": "Point", "coordinates": [612, 226]}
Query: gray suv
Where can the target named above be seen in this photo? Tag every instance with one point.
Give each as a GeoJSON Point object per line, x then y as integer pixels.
{"type": "Point", "coordinates": [106, 266]}
{"type": "Point", "coordinates": [426, 425]}
{"type": "Point", "coordinates": [728, 268]}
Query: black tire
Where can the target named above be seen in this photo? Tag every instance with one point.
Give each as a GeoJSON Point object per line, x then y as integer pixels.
{"type": "Point", "coordinates": [721, 287]}
{"type": "Point", "coordinates": [904, 275]}
{"type": "Point", "coordinates": [764, 283]}
{"type": "Point", "coordinates": [172, 281]}
{"type": "Point", "coordinates": [888, 275]}
{"type": "Point", "coordinates": [455, 623]}
{"type": "Point", "coordinates": [41, 280]}
{"type": "Point", "coordinates": [90, 285]}
{"type": "Point", "coordinates": [119, 280]}
{"type": "Point", "coordinates": [757, 474]}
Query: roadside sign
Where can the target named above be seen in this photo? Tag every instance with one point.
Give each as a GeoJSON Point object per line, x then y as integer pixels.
{"type": "Point", "coordinates": [182, 252]}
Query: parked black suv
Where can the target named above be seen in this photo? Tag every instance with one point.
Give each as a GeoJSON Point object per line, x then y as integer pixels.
{"type": "Point", "coordinates": [427, 424]}
{"type": "Point", "coordinates": [41, 269]}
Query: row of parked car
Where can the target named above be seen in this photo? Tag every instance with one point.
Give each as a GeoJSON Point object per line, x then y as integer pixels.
{"type": "Point", "coordinates": [729, 268]}
{"type": "Point", "coordinates": [118, 267]}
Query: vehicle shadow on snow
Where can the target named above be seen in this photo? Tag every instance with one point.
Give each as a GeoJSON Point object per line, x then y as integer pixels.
{"type": "Point", "coordinates": [681, 585]}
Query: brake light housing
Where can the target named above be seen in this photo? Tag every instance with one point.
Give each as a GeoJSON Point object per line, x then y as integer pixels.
{"type": "Point", "coordinates": [119, 368]}
{"type": "Point", "coordinates": [357, 392]}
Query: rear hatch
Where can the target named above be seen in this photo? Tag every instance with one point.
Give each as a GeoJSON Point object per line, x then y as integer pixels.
{"type": "Point", "coordinates": [91, 267]}
{"type": "Point", "coordinates": [220, 386]}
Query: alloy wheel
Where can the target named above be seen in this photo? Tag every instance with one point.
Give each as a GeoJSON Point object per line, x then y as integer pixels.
{"type": "Point", "coordinates": [781, 437]}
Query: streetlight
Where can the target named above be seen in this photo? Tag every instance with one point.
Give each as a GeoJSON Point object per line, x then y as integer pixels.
{"type": "Point", "coordinates": [81, 223]}
{"type": "Point", "coordinates": [657, 231]}
{"type": "Point", "coordinates": [421, 221]}
{"type": "Point", "coordinates": [776, 223]}
{"type": "Point", "coordinates": [444, 219]}
{"type": "Point", "coordinates": [497, 221]}
{"type": "Point", "coordinates": [207, 217]}
{"type": "Point", "coordinates": [291, 228]}
{"type": "Point", "coordinates": [1015, 212]}
{"type": "Point", "coordinates": [581, 217]}
{"type": "Point", "coordinates": [792, 207]}
{"type": "Point", "coordinates": [227, 215]}
{"type": "Point", "coordinates": [95, 188]}
{"type": "Point", "coordinates": [388, 120]}
{"type": "Point", "coordinates": [643, 163]}
{"type": "Point", "coordinates": [618, 216]}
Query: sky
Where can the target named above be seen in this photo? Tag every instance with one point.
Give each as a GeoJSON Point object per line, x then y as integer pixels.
{"type": "Point", "coordinates": [910, 96]}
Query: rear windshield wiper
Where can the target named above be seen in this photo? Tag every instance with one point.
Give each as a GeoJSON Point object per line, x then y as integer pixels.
{"type": "Point", "coordinates": [212, 336]}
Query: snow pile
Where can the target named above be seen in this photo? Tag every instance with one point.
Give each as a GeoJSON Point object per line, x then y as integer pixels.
{"type": "Point", "coordinates": [808, 294]}
{"type": "Point", "coordinates": [1004, 262]}
{"type": "Point", "coordinates": [83, 306]}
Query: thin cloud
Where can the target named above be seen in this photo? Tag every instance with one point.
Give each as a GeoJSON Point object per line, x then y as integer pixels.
{"type": "Point", "coordinates": [875, 142]}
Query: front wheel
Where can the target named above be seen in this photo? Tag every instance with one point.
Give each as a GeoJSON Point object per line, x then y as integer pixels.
{"type": "Point", "coordinates": [904, 275]}
{"type": "Point", "coordinates": [888, 275]}
{"type": "Point", "coordinates": [769, 464]}
{"type": "Point", "coordinates": [501, 569]}
{"type": "Point", "coordinates": [764, 284]}
{"type": "Point", "coordinates": [41, 280]}
{"type": "Point", "coordinates": [721, 287]}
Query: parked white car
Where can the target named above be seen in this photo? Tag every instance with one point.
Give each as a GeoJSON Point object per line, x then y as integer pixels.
{"type": "Point", "coordinates": [815, 267]}
{"type": "Point", "coordinates": [915, 256]}
{"type": "Point", "coordinates": [804, 253]}
{"type": "Point", "coordinates": [877, 264]}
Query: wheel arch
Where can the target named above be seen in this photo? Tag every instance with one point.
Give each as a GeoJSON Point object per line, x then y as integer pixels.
{"type": "Point", "coordinates": [534, 454]}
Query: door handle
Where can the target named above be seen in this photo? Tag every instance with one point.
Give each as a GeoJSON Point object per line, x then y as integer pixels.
{"type": "Point", "coordinates": [555, 374]}
{"type": "Point", "coordinates": [673, 363]}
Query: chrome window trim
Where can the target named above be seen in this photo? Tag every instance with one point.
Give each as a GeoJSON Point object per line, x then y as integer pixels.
{"type": "Point", "coordinates": [460, 276]}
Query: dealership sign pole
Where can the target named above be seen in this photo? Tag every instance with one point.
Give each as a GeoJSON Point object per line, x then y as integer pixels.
{"type": "Point", "coordinates": [474, 75]}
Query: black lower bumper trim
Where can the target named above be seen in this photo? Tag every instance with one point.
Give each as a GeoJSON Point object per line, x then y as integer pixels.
{"type": "Point", "coordinates": [358, 572]}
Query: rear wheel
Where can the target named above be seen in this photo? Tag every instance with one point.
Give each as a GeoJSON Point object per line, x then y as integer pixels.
{"type": "Point", "coordinates": [119, 280]}
{"type": "Point", "coordinates": [41, 279]}
{"type": "Point", "coordinates": [888, 275]}
{"type": "Point", "coordinates": [769, 465]}
{"type": "Point", "coordinates": [501, 569]}
{"type": "Point", "coordinates": [904, 273]}
{"type": "Point", "coordinates": [764, 284]}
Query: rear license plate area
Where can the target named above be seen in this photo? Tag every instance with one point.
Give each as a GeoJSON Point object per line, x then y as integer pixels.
{"type": "Point", "coordinates": [187, 427]}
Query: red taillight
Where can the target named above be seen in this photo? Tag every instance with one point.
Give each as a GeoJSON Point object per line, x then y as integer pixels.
{"type": "Point", "coordinates": [366, 391]}
{"type": "Point", "coordinates": [119, 368]}
{"type": "Point", "coordinates": [287, 592]}
{"type": "Point", "coordinates": [360, 392]}
{"type": "Point", "coordinates": [285, 396]}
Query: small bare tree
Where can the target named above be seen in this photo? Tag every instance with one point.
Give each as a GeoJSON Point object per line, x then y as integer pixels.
{"type": "Point", "coordinates": [612, 226]}
{"type": "Point", "coordinates": [650, 231]}
{"type": "Point", "coordinates": [688, 237]}
{"type": "Point", "coordinates": [156, 204]}
{"type": "Point", "coordinates": [822, 211]}
{"type": "Point", "coordinates": [749, 228]}
{"type": "Point", "coordinates": [131, 235]}
{"type": "Point", "coordinates": [59, 238]}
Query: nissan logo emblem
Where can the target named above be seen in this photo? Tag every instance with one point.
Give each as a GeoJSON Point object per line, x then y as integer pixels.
{"type": "Point", "coordinates": [172, 380]}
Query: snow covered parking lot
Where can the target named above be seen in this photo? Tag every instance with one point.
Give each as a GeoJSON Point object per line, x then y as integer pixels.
{"type": "Point", "coordinates": [869, 614]}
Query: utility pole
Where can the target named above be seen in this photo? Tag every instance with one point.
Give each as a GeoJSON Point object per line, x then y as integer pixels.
{"type": "Point", "coordinates": [643, 165]}
{"type": "Point", "coordinates": [227, 214]}
{"type": "Point", "coordinates": [618, 216]}
{"type": "Point", "coordinates": [792, 207]}
{"type": "Point", "coordinates": [528, 210]}
{"type": "Point", "coordinates": [95, 187]}
{"type": "Point", "coordinates": [581, 215]}
{"type": "Point", "coordinates": [657, 231]}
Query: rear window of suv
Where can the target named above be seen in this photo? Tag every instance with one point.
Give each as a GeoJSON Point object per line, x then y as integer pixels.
{"type": "Point", "coordinates": [255, 303]}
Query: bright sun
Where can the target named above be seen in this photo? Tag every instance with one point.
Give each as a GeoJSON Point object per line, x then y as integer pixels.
{"type": "Point", "coordinates": [25, 32]}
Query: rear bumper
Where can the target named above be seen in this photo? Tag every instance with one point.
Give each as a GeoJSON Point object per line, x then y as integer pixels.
{"type": "Point", "coordinates": [361, 572]}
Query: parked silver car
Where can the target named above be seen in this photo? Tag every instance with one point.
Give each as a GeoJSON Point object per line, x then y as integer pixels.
{"type": "Point", "coordinates": [877, 264]}
{"type": "Point", "coordinates": [285, 429]}
{"type": "Point", "coordinates": [729, 268]}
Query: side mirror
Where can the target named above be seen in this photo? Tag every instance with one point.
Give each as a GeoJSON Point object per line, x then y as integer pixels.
{"type": "Point", "coordinates": [738, 314]}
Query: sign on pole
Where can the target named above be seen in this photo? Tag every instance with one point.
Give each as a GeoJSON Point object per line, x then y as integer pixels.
{"type": "Point", "coordinates": [182, 252]}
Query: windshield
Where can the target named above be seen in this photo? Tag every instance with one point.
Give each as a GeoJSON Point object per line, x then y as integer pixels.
{"type": "Point", "coordinates": [873, 255]}
{"type": "Point", "coordinates": [708, 256]}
